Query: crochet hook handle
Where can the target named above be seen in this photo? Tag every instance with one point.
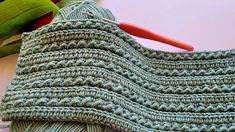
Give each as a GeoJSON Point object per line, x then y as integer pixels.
{"type": "Point", "coordinates": [144, 33]}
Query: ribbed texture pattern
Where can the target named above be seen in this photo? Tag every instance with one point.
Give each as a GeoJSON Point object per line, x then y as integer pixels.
{"type": "Point", "coordinates": [91, 71]}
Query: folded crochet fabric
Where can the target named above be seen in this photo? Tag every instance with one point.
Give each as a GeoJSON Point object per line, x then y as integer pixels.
{"type": "Point", "coordinates": [15, 14]}
{"type": "Point", "coordinates": [89, 71]}
{"type": "Point", "coordinates": [11, 48]}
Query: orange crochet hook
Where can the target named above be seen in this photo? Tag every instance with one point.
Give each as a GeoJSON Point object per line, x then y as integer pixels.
{"type": "Point", "coordinates": [146, 34]}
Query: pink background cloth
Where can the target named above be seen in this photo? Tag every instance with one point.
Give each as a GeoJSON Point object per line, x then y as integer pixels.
{"type": "Point", "coordinates": [206, 24]}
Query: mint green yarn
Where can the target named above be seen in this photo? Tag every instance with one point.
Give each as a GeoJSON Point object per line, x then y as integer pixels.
{"type": "Point", "coordinates": [43, 126]}
{"type": "Point", "coordinates": [92, 74]}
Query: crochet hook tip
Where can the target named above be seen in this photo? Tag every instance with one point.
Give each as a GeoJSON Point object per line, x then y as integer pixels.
{"type": "Point", "coordinates": [110, 21]}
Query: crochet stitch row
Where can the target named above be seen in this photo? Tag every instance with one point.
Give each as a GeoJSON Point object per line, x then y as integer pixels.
{"type": "Point", "coordinates": [91, 71]}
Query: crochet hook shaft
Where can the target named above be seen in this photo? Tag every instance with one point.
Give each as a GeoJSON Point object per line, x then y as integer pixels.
{"type": "Point", "coordinates": [147, 34]}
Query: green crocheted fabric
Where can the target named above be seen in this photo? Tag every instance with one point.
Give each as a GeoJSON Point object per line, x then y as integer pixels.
{"type": "Point", "coordinates": [11, 48]}
{"type": "Point", "coordinates": [90, 71]}
{"type": "Point", "coordinates": [15, 14]}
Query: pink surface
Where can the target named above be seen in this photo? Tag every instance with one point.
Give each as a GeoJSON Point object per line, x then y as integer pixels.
{"type": "Point", "coordinates": [206, 24]}
{"type": "Point", "coordinates": [7, 70]}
